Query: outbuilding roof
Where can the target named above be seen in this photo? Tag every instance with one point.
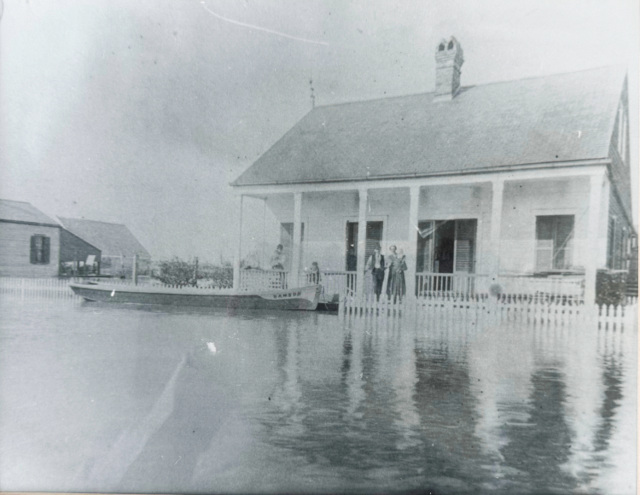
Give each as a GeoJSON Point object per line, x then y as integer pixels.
{"type": "Point", "coordinates": [113, 239]}
{"type": "Point", "coordinates": [23, 212]}
{"type": "Point", "coordinates": [549, 119]}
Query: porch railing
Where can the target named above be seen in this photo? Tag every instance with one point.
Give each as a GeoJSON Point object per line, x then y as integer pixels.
{"type": "Point", "coordinates": [429, 285]}
{"type": "Point", "coordinates": [565, 287]}
{"type": "Point", "coordinates": [256, 279]}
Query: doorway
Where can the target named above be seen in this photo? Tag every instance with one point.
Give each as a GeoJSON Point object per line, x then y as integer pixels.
{"type": "Point", "coordinates": [372, 239]}
{"type": "Point", "coordinates": [447, 246]}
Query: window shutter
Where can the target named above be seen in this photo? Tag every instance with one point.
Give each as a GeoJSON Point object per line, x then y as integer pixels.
{"type": "Point", "coordinates": [463, 256]}
{"type": "Point", "coordinates": [544, 255]}
{"type": "Point", "coordinates": [564, 235]}
{"type": "Point", "coordinates": [425, 246]}
{"type": "Point", "coordinates": [46, 247]}
{"type": "Point", "coordinates": [544, 244]}
{"type": "Point", "coordinates": [33, 255]}
{"type": "Point", "coordinates": [465, 236]}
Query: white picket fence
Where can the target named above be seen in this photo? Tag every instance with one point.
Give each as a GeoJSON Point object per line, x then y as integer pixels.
{"type": "Point", "coordinates": [490, 309]}
{"type": "Point", "coordinates": [55, 287]}
{"type": "Point", "coordinates": [36, 287]}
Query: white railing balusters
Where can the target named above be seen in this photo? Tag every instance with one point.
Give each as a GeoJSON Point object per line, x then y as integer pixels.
{"type": "Point", "coordinates": [474, 309]}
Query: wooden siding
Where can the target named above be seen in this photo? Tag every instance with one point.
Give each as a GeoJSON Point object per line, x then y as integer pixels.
{"type": "Point", "coordinates": [622, 230]}
{"type": "Point", "coordinates": [15, 250]}
{"type": "Point", "coordinates": [620, 162]}
{"type": "Point", "coordinates": [73, 248]}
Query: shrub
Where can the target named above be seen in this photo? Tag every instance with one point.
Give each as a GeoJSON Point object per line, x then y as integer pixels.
{"type": "Point", "coordinates": [611, 287]}
{"type": "Point", "coordinates": [216, 275]}
{"type": "Point", "coordinates": [179, 272]}
{"type": "Point", "coordinates": [175, 272]}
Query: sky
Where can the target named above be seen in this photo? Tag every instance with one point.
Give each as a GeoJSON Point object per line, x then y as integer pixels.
{"type": "Point", "coordinates": [142, 112]}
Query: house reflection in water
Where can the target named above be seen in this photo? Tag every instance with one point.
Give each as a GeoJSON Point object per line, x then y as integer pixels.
{"type": "Point", "coordinates": [495, 408]}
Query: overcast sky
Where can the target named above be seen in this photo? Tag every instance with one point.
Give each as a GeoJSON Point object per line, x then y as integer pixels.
{"type": "Point", "coordinates": [142, 112]}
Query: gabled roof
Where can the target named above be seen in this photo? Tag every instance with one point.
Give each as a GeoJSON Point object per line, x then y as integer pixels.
{"type": "Point", "coordinates": [113, 239]}
{"type": "Point", "coordinates": [23, 212]}
{"type": "Point", "coordinates": [548, 119]}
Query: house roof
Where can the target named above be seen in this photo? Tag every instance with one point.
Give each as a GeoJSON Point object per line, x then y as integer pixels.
{"type": "Point", "coordinates": [23, 212]}
{"type": "Point", "coordinates": [557, 118]}
{"type": "Point", "coordinates": [113, 239]}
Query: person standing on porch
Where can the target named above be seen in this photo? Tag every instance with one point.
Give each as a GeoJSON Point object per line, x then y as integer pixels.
{"type": "Point", "coordinates": [375, 264]}
{"type": "Point", "coordinates": [397, 265]}
{"type": "Point", "coordinates": [313, 277]}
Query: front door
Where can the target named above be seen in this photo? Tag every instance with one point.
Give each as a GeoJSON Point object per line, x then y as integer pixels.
{"type": "Point", "coordinates": [373, 238]}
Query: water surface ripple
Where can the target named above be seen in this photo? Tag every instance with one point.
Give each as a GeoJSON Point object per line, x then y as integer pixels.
{"type": "Point", "coordinates": [132, 399]}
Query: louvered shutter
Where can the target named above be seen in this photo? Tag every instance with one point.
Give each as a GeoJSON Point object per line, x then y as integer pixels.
{"type": "Point", "coordinates": [465, 237]}
{"type": "Point", "coordinates": [46, 247]}
{"type": "Point", "coordinates": [563, 242]}
{"type": "Point", "coordinates": [33, 252]}
{"type": "Point", "coordinates": [544, 244]}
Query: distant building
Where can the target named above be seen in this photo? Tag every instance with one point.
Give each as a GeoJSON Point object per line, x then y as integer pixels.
{"type": "Point", "coordinates": [34, 245]}
{"type": "Point", "coordinates": [117, 243]}
{"type": "Point", "coordinates": [502, 183]}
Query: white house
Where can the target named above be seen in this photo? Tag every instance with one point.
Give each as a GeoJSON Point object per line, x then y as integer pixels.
{"type": "Point", "coordinates": [524, 184]}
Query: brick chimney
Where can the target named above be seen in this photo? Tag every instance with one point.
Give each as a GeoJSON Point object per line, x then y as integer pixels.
{"type": "Point", "coordinates": [449, 59]}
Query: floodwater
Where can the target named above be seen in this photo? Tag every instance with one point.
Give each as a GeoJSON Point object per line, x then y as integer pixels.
{"type": "Point", "coordinates": [131, 399]}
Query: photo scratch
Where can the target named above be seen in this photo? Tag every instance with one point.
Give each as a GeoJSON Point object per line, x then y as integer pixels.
{"type": "Point", "coordinates": [260, 28]}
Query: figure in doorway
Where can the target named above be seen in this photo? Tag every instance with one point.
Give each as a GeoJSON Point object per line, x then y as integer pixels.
{"type": "Point", "coordinates": [397, 265]}
{"type": "Point", "coordinates": [375, 264]}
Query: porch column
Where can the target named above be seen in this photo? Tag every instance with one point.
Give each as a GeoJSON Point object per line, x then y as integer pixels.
{"type": "Point", "coordinates": [294, 274]}
{"type": "Point", "coordinates": [496, 227]}
{"type": "Point", "coordinates": [362, 241]}
{"type": "Point", "coordinates": [595, 197]}
{"type": "Point", "coordinates": [238, 250]}
{"type": "Point", "coordinates": [412, 258]}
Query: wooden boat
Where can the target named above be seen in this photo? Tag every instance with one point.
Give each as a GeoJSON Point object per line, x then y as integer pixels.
{"type": "Point", "coordinates": [300, 298]}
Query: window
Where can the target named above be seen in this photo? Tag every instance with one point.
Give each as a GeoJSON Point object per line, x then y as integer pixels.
{"type": "Point", "coordinates": [40, 247]}
{"type": "Point", "coordinates": [624, 249]}
{"type": "Point", "coordinates": [611, 242]}
{"type": "Point", "coordinates": [554, 235]}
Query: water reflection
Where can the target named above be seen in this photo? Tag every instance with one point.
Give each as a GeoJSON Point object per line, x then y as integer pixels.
{"type": "Point", "coordinates": [305, 402]}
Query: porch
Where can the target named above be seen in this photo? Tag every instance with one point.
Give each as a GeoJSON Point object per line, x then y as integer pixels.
{"type": "Point", "coordinates": [528, 233]}
{"type": "Point", "coordinates": [339, 285]}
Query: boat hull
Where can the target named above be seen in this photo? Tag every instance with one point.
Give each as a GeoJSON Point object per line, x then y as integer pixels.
{"type": "Point", "coordinates": [302, 298]}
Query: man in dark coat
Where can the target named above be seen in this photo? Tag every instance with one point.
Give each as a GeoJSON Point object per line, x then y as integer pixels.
{"type": "Point", "coordinates": [375, 264]}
